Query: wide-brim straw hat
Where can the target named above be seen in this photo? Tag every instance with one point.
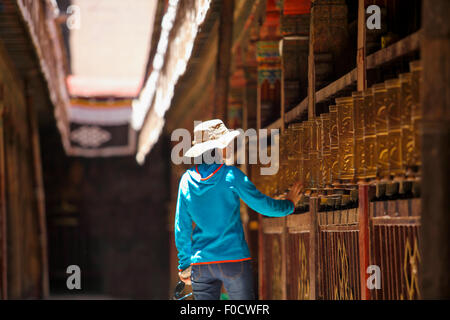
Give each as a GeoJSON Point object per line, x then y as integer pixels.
{"type": "Point", "coordinates": [208, 135]}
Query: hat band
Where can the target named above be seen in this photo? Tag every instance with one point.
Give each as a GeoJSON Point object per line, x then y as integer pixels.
{"type": "Point", "coordinates": [207, 136]}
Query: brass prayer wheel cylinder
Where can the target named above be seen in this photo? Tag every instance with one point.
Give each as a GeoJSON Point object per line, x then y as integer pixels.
{"type": "Point", "coordinates": [406, 122]}
{"type": "Point", "coordinates": [326, 149]}
{"type": "Point", "coordinates": [301, 137]}
{"type": "Point", "coordinates": [295, 140]}
{"type": "Point", "coordinates": [369, 135]}
{"type": "Point", "coordinates": [315, 154]}
{"type": "Point", "coordinates": [334, 145]}
{"type": "Point", "coordinates": [381, 130]}
{"type": "Point", "coordinates": [346, 138]}
{"type": "Point", "coordinates": [393, 95]}
{"type": "Point", "coordinates": [358, 116]}
{"type": "Point", "coordinates": [283, 163]}
{"type": "Point", "coordinates": [320, 168]}
{"type": "Point", "coordinates": [416, 110]}
{"type": "Point", "coordinates": [293, 154]}
{"type": "Point", "coordinates": [308, 156]}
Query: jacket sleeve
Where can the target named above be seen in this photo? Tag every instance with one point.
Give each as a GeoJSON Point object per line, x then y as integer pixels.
{"type": "Point", "coordinates": [183, 231]}
{"type": "Point", "coordinates": [258, 201]}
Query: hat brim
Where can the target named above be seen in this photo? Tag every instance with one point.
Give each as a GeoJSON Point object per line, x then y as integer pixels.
{"type": "Point", "coordinates": [221, 143]}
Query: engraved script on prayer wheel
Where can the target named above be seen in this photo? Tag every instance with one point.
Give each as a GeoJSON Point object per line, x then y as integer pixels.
{"type": "Point", "coordinates": [326, 149]}
{"type": "Point", "coordinates": [334, 145]}
{"type": "Point", "coordinates": [394, 126]}
{"type": "Point", "coordinates": [360, 156]}
{"type": "Point", "coordinates": [345, 138]}
{"type": "Point", "coordinates": [416, 111]}
{"type": "Point", "coordinates": [381, 129]}
{"type": "Point", "coordinates": [369, 135]}
{"type": "Point", "coordinates": [307, 137]}
{"type": "Point", "coordinates": [319, 169]}
{"type": "Point", "coordinates": [295, 153]}
{"type": "Point", "coordinates": [406, 122]}
{"type": "Point", "coordinates": [283, 169]}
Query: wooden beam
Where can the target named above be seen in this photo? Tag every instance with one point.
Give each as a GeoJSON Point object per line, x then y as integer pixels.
{"type": "Point", "coordinates": [224, 60]}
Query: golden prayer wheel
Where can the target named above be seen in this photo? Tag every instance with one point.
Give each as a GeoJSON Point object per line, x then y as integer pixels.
{"type": "Point", "coordinates": [326, 149]}
{"type": "Point", "coordinates": [294, 158]}
{"type": "Point", "coordinates": [406, 123]}
{"type": "Point", "coordinates": [283, 163]}
{"type": "Point", "coordinates": [301, 137]}
{"type": "Point", "coordinates": [306, 153]}
{"type": "Point", "coordinates": [319, 167]}
{"type": "Point", "coordinates": [416, 110]}
{"type": "Point", "coordinates": [292, 164]}
{"type": "Point", "coordinates": [369, 135]}
{"type": "Point", "coordinates": [346, 138]}
{"type": "Point", "coordinates": [358, 114]}
{"type": "Point", "coordinates": [334, 145]}
{"type": "Point", "coordinates": [381, 130]}
{"type": "Point", "coordinates": [295, 142]}
{"type": "Point", "coordinates": [393, 96]}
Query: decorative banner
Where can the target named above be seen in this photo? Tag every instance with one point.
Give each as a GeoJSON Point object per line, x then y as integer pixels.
{"type": "Point", "coordinates": [268, 52]}
{"type": "Point", "coordinates": [101, 127]}
{"type": "Point", "coordinates": [269, 74]}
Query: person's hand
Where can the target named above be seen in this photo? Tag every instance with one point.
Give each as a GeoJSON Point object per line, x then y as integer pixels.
{"type": "Point", "coordinates": [295, 193]}
{"type": "Point", "coordinates": [185, 276]}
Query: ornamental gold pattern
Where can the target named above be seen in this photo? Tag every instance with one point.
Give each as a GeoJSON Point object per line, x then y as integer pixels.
{"type": "Point", "coordinates": [411, 270]}
{"type": "Point", "coordinates": [303, 279]}
{"type": "Point", "coordinates": [342, 289]}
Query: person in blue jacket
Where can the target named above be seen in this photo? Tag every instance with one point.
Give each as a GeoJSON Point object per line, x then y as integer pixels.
{"type": "Point", "coordinates": [209, 235]}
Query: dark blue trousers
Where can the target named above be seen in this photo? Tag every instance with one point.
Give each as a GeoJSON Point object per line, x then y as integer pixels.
{"type": "Point", "coordinates": [236, 277]}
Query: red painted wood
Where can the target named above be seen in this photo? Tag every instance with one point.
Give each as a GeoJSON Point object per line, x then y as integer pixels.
{"type": "Point", "coordinates": [295, 7]}
{"type": "Point", "coordinates": [363, 212]}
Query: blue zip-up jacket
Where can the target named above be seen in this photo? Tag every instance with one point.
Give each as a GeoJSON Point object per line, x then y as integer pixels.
{"type": "Point", "coordinates": [209, 195]}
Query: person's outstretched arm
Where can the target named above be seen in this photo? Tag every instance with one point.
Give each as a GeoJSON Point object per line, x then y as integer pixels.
{"type": "Point", "coordinates": [261, 203]}
{"type": "Point", "coordinates": [183, 230]}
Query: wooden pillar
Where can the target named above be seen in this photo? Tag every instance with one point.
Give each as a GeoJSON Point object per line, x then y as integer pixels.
{"type": "Point", "coordinates": [435, 231]}
{"type": "Point", "coordinates": [224, 60]}
{"type": "Point", "coordinates": [38, 187]}
{"type": "Point", "coordinates": [314, 272]}
{"type": "Point", "coordinates": [363, 214]}
{"type": "Point", "coordinates": [236, 99]}
{"type": "Point", "coordinates": [3, 236]}
{"type": "Point", "coordinates": [361, 53]}
{"type": "Point", "coordinates": [269, 66]}
{"type": "Point", "coordinates": [311, 71]}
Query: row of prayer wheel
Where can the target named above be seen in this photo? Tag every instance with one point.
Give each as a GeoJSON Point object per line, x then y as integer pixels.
{"type": "Point", "coordinates": [373, 135]}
